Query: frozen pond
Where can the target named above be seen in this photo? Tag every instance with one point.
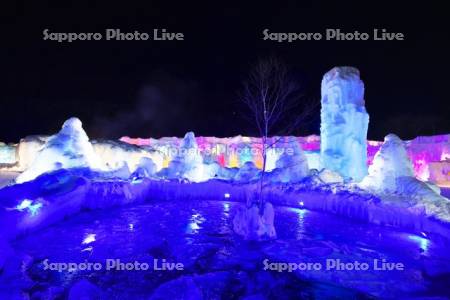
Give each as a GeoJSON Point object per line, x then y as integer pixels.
{"type": "Point", "coordinates": [217, 264]}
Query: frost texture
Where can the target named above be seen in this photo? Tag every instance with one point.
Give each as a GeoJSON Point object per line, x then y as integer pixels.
{"type": "Point", "coordinates": [344, 123]}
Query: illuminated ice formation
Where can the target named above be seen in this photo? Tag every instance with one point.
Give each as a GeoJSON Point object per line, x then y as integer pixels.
{"type": "Point", "coordinates": [146, 168]}
{"type": "Point", "coordinates": [115, 154]}
{"type": "Point", "coordinates": [69, 148]}
{"type": "Point", "coordinates": [391, 173]}
{"type": "Point", "coordinates": [7, 154]}
{"type": "Point", "coordinates": [390, 163]}
{"type": "Point", "coordinates": [344, 123]}
{"type": "Point", "coordinates": [429, 154]}
{"type": "Point", "coordinates": [292, 166]}
{"type": "Point", "coordinates": [187, 162]}
{"type": "Point", "coordinates": [247, 172]}
{"type": "Point", "coordinates": [252, 224]}
{"type": "Point", "coordinates": [28, 149]}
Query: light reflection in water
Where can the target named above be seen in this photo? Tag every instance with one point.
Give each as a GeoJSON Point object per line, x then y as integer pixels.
{"type": "Point", "coordinates": [301, 214]}
{"type": "Point", "coordinates": [423, 243]}
{"type": "Point", "coordinates": [89, 238]}
{"type": "Point", "coordinates": [194, 225]}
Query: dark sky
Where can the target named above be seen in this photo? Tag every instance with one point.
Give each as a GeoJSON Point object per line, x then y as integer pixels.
{"type": "Point", "coordinates": [155, 88]}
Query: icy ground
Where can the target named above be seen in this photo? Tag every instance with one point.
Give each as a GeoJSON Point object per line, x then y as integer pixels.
{"type": "Point", "coordinates": [220, 265]}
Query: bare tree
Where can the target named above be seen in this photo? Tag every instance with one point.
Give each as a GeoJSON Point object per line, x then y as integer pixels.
{"type": "Point", "coordinates": [271, 95]}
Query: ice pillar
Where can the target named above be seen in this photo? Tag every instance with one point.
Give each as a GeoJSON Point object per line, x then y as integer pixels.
{"type": "Point", "coordinates": [344, 123]}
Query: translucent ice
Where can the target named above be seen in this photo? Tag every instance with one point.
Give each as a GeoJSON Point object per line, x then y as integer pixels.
{"type": "Point", "coordinates": [390, 163]}
{"type": "Point", "coordinates": [344, 123]}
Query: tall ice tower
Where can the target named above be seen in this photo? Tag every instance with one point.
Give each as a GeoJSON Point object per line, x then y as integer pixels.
{"type": "Point", "coordinates": [344, 123]}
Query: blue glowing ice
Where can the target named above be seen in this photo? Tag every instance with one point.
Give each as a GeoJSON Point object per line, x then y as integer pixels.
{"type": "Point", "coordinates": [344, 123]}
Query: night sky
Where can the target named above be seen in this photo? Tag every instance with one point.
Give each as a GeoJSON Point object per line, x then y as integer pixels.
{"type": "Point", "coordinates": [166, 88]}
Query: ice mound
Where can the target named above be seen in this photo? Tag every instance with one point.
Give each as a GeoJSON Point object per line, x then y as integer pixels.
{"type": "Point", "coordinates": [292, 166]}
{"type": "Point", "coordinates": [344, 123]}
{"type": "Point", "coordinates": [146, 168]}
{"type": "Point", "coordinates": [329, 177]}
{"type": "Point", "coordinates": [247, 172]}
{"type": "Point", "coordinates": [114, 154]}
{"type": "Point", "coordinates": [252, 223]}
{"type": "Point", "coordinates": [187, 163]}
{"type": "Point", "coordinates": [69, 148]}
{"type": "Point", "coordinates": [391, 176]}
{"type": "Point", "coordinates": [389, 163]}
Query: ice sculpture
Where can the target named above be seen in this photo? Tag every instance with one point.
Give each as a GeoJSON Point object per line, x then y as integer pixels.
{"type": "Point", "coordinates": [247, 172]}
{"type": "Point", "coordinates": [146, 168]}
{"type": "Point", "coordinates": [292, 166]}
{"type": "Point", "coordinates": [253, 224]}
{"type": "Point", "coordinates": [188, 162]}
{"type": "Point", "coordinates": [69, 148]}
{"type": "Point", "coordinates": [391, 176]}
{"type": "Point", "coordinates": [390, 163]}
{"type": "Point", "coordinates": [344, 123]}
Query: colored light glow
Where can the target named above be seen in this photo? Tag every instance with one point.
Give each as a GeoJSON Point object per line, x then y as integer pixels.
{"type": "Point", "coordinates": [258, 161]}
{"type": "Point", "coordinates": [233, 160]}
{"type": "Point", "coordinates": [221, 160]}
{"type": "Point", "coordinates": [166, 162]}
{"type": "Point", "coordinates": [445, 156]}
{"type": "Point", "coordinates": [422, 151]}
{"type": "Point", "coordinates": [226, 195]}
{"type": "Point", "coordinates": [301, 203]}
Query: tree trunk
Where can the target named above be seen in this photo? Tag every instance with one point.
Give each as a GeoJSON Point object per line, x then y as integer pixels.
{"type": "Point", "coordinates": [263, 172]}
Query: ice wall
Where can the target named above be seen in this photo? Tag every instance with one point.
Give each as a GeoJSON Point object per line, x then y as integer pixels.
{"type": "Point", "coordinates": [344, 123]}
{"type": "Point", "coordinates": [7, 154]}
